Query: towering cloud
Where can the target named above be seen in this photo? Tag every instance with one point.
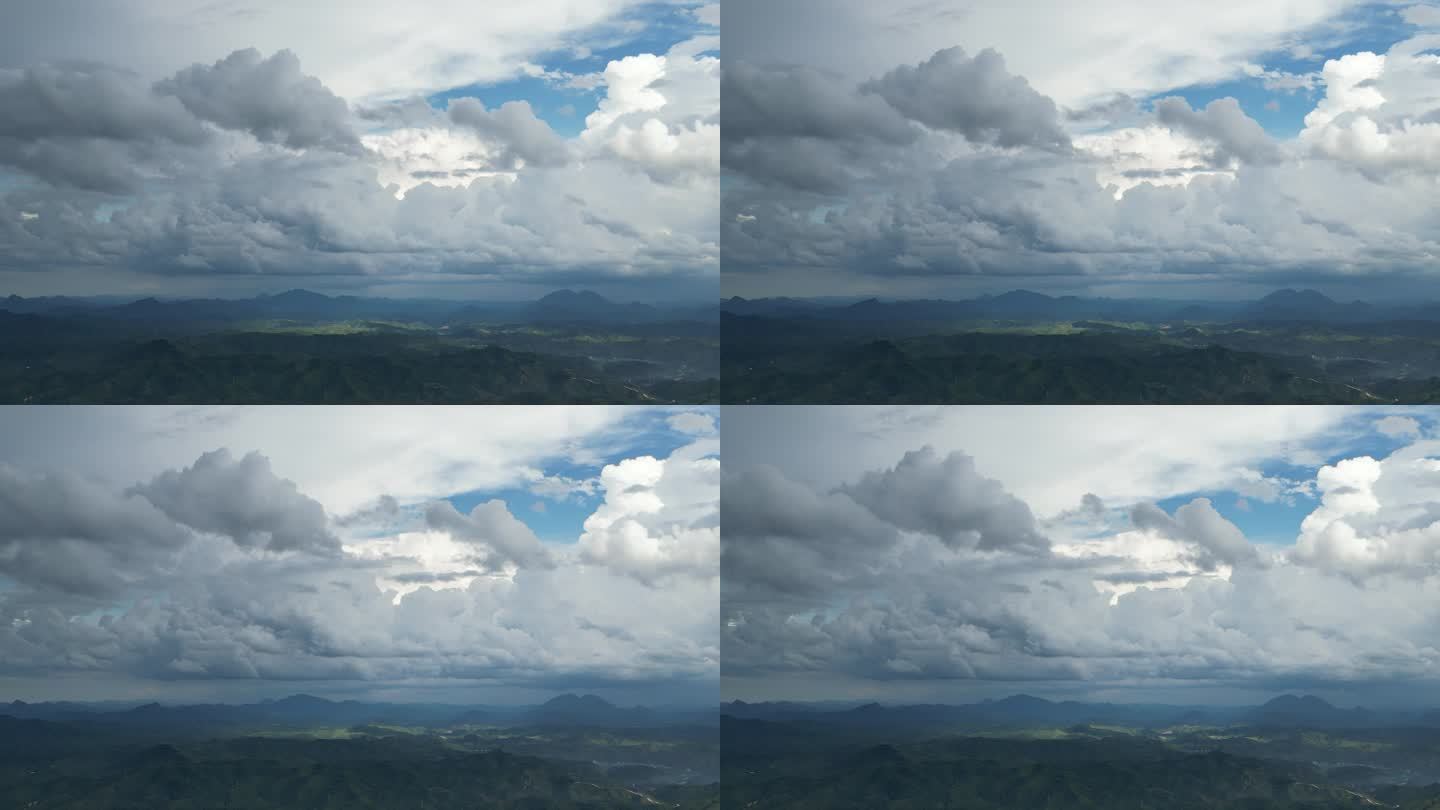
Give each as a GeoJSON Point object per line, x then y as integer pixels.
{"type": "Point", "coordinates": [243, 500]}
{"type": "Point", "coordinates": [659, 519]}
{"type": "Point", "coordinates": [975, 97]}
{"type": "Point", "coordinates": [271, 98]}
{"type": "Point", "coordinates": [949, 499]}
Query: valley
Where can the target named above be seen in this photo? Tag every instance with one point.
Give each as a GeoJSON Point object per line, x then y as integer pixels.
{"type": "Point", "coordinates": [1293, 752]}
{"type": "Point", "coordinates": [1289, 348]}
{"type": "Point", "coordinates": [302, 347]}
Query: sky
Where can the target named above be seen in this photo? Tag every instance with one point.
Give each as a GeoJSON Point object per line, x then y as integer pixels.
{"type": "Point", "coordinates": [497, 555]}
{"type": "Point", "coordinates": [1193, 555]}
{"type": "Point", "coordinates": [1216, 150]}
{"type": "Point", "coordinates": [232, 147]}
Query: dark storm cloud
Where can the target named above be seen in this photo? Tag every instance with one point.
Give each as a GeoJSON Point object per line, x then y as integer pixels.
{"type": "Point", "coordinates": [794, 101]}
{"type": "Point", "coordinates": [798, 127]}
{"type": "Point", "coordinates": [786, 542]}
{"type": "Point", "coordinates": [763, 502]}
{"type": "Point", "coordinates": [63, 532]}
{"type": "Point", "coordinates": [822, 167]}
{"type": "Point", "coordinates": [976, 97]}
{"type": "Point", "coordinates": [935, 622]}
{"type": "Point", "coordinates": [1234, 135]}
{"type": "Point", "coordinates": [274, 619]}
{"type": "Point", "coordinates": [100, 128]}
{"type": "Point", "coordinates": [514, 126]}
{"type": "Point", "coordinates": [278, 214]}
{"type": "Point", "coordinates": [811, 131]}
{"type": "Point", "coordinates": [271, 98]}
{"type": "Point", "coordinates": [244, 500]}
{"type": "Point", "coordinates": [1021, 214]}
{"type": "Point", "coordinates": [54, 506]}
{"type": "Point", "coordinates": [501, 537]}
{"type": "Point", "coordinates": [932, 229]}
{"type": "Point", "coordinates": [90, 101]}
{"type": "Point", "coordinates": [948, 498]}
{"type": "Point", "coordinates": [921, 626]}
{"type": "Point", "coordinates": [785, 539]}
{"type": "Point", "coordinates": [89, 126]}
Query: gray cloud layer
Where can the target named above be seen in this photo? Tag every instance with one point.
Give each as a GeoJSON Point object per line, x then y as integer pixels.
{"type": "Point", "coordinates": [842, 193]}
{"type": "Point", "coordinates": [243, 500]}
{"type": "Point", "coordinates": [950, 500]}
{"type": "Point", "coordinates": [502, 539]}
{"type": "Point", "coordinates": [787, 542]}
{"type": "Point", "coordinates": [928, 572]}
{"type": "Point", "coordinates": [514, 124]}
{"type": "Point", "coordinates": [224, 570]}
{"type": "Point", "coordinates": [243, 172]}
{"type": "Point", "coordinates": [69, 534]}
{"type": "Point", "coordinates": [975, 97]}
{"type": "Point", "coordinates": [1219, 540]}
{"type": "Point", "coordinates": [269, 98]}
{"type": "Point", "coordinates": [89, 126]}
{"type": "Point", "coordinates": [1236, 136]}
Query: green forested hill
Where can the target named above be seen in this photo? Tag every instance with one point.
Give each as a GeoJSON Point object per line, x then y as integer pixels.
{"type": "Point", "coordinates": [974, 773]}
{"type": "Point", "coordinates": [165, 371]}
{"type": "Point", "coordinates": [165, 778]}
{"type": "Point", "coordinates": [75, 359]}
{"type": "Point", "coordinates": [1006, 369]}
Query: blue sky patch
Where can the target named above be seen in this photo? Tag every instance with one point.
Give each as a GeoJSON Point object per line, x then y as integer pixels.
{"type": "Point", "coordinates": [559, 521]}
{"type": "Point", "coordinates": [1282, 112]}
{"type": "Point", "coordinates": [1274, 523]}
{"type": "Point", "coordinates": [1277, 522]}
{"type": "Point", "coordinates": [563, 108]}
{"type": "Point", "coordinates": [652, 28]}
{"type": "Point", "coordinates": [562, 520]}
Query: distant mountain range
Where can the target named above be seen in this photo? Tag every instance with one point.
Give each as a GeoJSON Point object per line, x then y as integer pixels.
{"type": "Point", "coordinates": [589, 710]}
{"type": "Point", "coordinates": [1281, 306]}
{"type": "Point", "coordinates": [561, 306]}
{"type": "Point", "coordinates": [1026, 711]}
{"type": "Point", "coordinates": [305, 711]}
